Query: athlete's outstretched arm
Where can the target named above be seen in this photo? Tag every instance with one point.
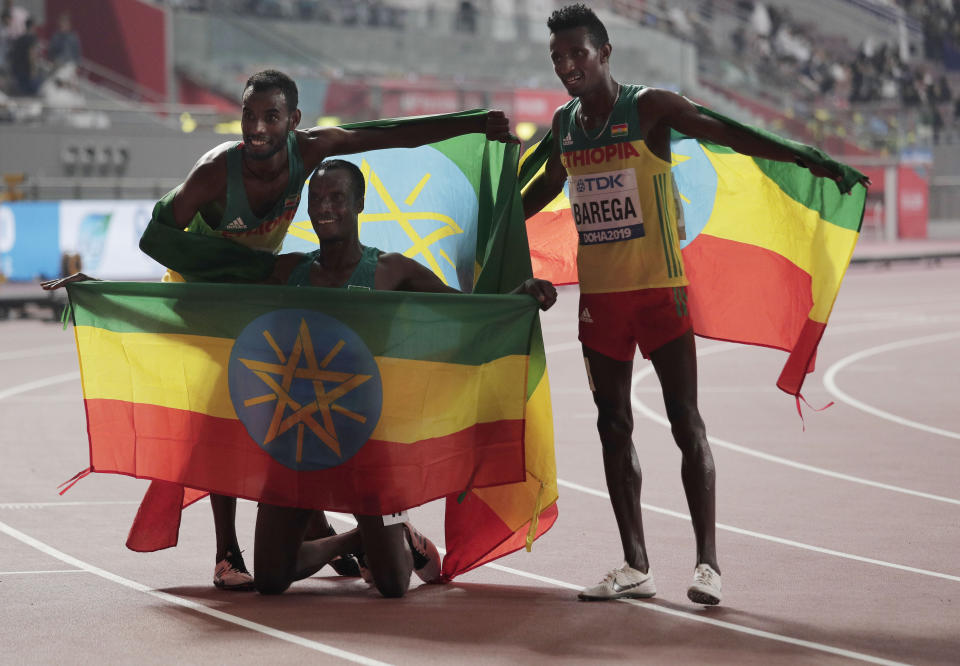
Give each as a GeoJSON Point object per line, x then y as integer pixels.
{"type": "Point", "coordinates": [323, 142]}
{"type": "Point", "coordinates": [401, 273]}
{"type": "Point", "coordinates": [677, 112]}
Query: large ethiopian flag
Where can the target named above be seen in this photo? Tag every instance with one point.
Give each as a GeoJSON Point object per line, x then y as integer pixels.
{"type": "Point", "coordinates": [767, 243]}
{"type": "Point", "coordinates": [302, 397]}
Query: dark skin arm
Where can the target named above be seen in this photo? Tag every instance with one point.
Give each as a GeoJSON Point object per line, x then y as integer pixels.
{"type": "Point", "coordinates": [400, 273]}
{"type": "Point", "coordinates": [662, 110]}
{"type": "Point", "coordinates": [545, 186]}
{"type": "Point", "coordinates": [320, 143]}
{"type": "Point", "coordinates": [51, 285]}
{"type": "Point", "coordinates": [205, 184]}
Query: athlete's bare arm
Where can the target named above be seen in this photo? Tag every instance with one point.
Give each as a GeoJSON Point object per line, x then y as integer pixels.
{"type": "Point", "coordinates": [400, 273]}
{"type": "Point", "coordinates": [660, 110]}
{"type": "Point", "coordinates": [206, 184]}
{"type": "Point", "coordinates": [545, 186]}
{"type": "Point", "coordinates": [319, 143]}
{"type": "Point", "coordinates": [284, 266]}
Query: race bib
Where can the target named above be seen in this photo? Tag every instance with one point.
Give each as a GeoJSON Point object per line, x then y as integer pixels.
{"type": "Point", "coordinates": [606, 206]}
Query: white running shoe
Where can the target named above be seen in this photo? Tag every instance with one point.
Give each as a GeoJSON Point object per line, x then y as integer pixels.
{"type": "Point", "coordinates": [706, 586]}
{"type": "Point", "coordinates": [231, 573]}
{"type": "Point", "coordinates": [623, 583]}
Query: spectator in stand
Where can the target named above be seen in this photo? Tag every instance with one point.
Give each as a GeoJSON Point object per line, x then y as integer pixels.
{"type": "Point", "coordinates": [64, 46]}
{"type": "Point", "coordinates": [6, 38]}
{"type": "Point", "coordinates": [24, 61]}
{"type": "Point", "coordinates": [18, 18]}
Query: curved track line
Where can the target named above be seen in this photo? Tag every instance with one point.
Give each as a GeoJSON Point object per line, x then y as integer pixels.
{"type": "Point", "coordinates": [829, 381]}
{"type": "Point", "coordinates": [771, 538]}
{"type": "Point", "coordinates": [684, 615]}
{"type": "Point", "coordinates": [186, 603]}
{"type": "Point", "coordinates": [641, 407]}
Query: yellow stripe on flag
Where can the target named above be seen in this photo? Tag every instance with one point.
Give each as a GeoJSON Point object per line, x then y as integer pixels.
{"type": "Point", "coordinates": [514, 503]}
{"type": "Point", "coordinates": [163, 370]}
{"type": "Point", "coordinates": [817, 247]}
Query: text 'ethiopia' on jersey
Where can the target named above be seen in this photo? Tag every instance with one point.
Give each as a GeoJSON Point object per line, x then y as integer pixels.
{"type": "Point", "coordinates": [589, 156]}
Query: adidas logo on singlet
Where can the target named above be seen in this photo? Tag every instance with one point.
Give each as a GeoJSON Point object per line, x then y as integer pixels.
{"type": "Point", "coordinates": [237, 225]}
{"type": "Point", "coordinates": [585, 316]}
{"type": "Point", "coordinates": [567, 140]}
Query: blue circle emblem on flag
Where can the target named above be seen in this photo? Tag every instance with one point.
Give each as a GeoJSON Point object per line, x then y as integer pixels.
{"type": "Point", "coordinates": [306, 388]}
{"type": "Point", "coordinates": [696, 180]}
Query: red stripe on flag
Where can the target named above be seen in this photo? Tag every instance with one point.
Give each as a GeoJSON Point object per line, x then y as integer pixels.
{"type": "Point", "coordinates": [468, 549]}
{"type": "Point", "coordinates": [745, 293]}
{"type": "Point", "coordinates": [802, 359]}
{"type": "Point", "coordinates": [553, 246]}
{"type": "Point", "coordinates": [218, 455]}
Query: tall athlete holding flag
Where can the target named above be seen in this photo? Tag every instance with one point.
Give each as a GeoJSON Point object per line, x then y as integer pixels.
{"type": "Point", "coordinates": [613, 141]}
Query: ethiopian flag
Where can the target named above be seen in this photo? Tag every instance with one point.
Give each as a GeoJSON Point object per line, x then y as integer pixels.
{"type": "Point", "coordinates": [766, 243]}
{"type": "Point", "coordinates": [302, 397]}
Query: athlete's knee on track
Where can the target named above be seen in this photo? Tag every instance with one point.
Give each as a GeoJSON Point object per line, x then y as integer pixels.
{"type": "Point", "coordinates": [392, 585]}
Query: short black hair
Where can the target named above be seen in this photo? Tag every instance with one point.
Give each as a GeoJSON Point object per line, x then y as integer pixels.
{"type": "Point", "coordinates": [269, 79]}
{"type": "Point", "coordinates": [358, 185]}
{"type": "Point", "coordinates": [579, 16]}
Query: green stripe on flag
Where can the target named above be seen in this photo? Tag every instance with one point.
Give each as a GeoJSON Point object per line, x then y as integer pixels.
{"type": "Point", "coordinates": [454, 328]}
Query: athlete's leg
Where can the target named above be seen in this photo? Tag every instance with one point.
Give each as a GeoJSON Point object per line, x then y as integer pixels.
{"type": "Point", "coordinates": [280, 555]}
{"type": "Point", "coordinates": [676, 366]}
{"type": "Point", "coordinates": [224, 524]}
{"type": "Point", "coordinates": [386, 554]}
{"type": "Point", "coordinates": [610, 383]}
{"type": "Point", "coordinates": [319, 527]}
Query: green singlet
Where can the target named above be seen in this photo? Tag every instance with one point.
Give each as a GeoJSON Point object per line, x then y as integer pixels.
{"type": "Point", "coordinates": [362, 275]}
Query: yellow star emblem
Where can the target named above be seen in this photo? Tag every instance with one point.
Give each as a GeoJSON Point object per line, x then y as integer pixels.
{"type": "Point", "coordinates": [279, 378]}
{"type": "Point", "coordinates": [679, 159]}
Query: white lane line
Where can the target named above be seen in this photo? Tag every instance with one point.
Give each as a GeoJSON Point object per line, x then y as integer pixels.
{"type": "Point", "coordinates": [186, 603]}
{"type": "Point", "coordinates": [40, 383]}
{"type": "Point", "coordinates": [771, 538]}
{"type": "Point", "coordinates": [36, 351]}
{"type": "Point", "coordinates": [48, 571]}
{"type": "Point", "coordinates": [685, 615]}
{"type": "Point", "coordinates": [829, 381]}
{"type": "Point", "coordinates": [641, 407]}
